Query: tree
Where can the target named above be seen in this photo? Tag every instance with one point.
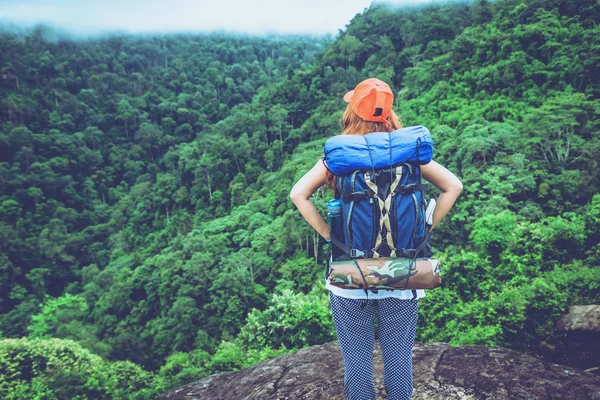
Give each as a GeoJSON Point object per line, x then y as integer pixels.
{"type": "Point", "coordinates": [494, 233]}
{"type": "Point", "coordinates": [150, 138]}
{"type": "Point", "coordinates": [127, 114]}
{"type": "Point", "coordinates": [482, 11]}
{"type": "Point", "coordinates": [59, 369]}
{"type": "Point", "coordinates": [291, 320]}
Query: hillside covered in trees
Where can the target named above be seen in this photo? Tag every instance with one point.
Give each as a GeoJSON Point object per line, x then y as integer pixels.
{"type": "Point", "coordinates": [146, 233]}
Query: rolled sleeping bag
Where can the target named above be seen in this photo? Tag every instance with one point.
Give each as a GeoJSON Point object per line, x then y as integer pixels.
{"type": "Point", "coordinates": [345, 154]}
{"type": "Point", "coordinates": [386, 273]}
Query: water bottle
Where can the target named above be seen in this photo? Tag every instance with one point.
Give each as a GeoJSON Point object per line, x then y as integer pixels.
{"type": "Point", "coordinates": [336, 225]}
{"type": "Point", "coordinates": [429, 213]}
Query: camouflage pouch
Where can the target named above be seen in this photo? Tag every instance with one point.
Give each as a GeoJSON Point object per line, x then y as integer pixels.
{"type": "Point", "coordinates": [386, 273]}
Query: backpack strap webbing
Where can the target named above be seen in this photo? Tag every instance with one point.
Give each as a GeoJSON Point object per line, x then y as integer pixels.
{"type": "Point", "coordinates": [357, 196]}
{"type": "Point", "coordinates": [409, 189]}
{"type": "Point", "coordinates": [348, 196]}
{"type": "Point", "coordinates": [351, 253]}
{"type": "Point", "coordinates": [348, 251]}
{"type": "Point", "coordinates": [385, 206]}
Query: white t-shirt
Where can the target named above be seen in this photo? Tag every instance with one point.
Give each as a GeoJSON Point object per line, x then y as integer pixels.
{"type": "Point", "coordinates": [382, 294]}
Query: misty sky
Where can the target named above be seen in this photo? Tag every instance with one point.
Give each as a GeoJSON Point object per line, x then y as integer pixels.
{"type": "Point", "coordinates": [138, 16]}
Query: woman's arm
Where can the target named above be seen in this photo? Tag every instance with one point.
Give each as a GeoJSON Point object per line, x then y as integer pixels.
{"type": "Point", "coordinates": [448, 183]}
{"type": "Point", "coordinates": [300, 195]}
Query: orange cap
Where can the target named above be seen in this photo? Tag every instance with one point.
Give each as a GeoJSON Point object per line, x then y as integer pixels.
{"type": "Point", "coordinates": [371, 100]}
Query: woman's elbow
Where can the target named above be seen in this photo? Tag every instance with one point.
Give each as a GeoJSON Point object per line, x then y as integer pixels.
{"type": "Point", "coordinates": [454, 187]}
{"type": "Point", "coordinates": [457, 187]}
{"type": "Point", "coordinates": [295, 196]}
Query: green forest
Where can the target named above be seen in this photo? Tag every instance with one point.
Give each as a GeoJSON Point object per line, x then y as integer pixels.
{"type": "Point", "coordinates": [147, 237]}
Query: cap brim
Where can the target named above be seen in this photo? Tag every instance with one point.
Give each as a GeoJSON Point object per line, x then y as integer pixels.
{"type": "Point", "coordinates": [348, 96]}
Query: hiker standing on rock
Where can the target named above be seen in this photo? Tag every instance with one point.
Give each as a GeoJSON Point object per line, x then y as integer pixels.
{"type": "Point", "coordinates": [369, 110]}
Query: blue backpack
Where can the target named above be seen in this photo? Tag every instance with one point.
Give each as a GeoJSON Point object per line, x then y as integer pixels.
{"type": "Point", "coordinates": [382, 197]}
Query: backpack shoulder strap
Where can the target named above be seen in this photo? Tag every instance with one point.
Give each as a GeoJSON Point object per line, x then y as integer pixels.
{"type": "Point", "coordinates": [385, 206]}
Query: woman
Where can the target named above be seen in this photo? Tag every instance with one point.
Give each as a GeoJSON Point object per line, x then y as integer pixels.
{"type": "Point", "coordinates": [370, 110]}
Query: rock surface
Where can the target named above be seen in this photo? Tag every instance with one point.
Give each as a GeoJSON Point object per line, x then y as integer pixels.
{"type": "Point", "coordinates": [581, 319]}
{"type": "Point", "coordinates": [577, 339]}
{"type": "Point", "coordinates": [440, 371]}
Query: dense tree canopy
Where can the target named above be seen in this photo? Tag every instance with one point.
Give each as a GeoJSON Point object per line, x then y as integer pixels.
{"type": "Point", "coordinates": [144, 186]}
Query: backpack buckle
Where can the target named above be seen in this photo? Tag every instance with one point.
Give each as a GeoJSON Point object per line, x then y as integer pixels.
{"type": "Point", "coordinates": [405, 189]}
{"type": "Point", "coordinates": [358, 196]}
{"type": "Point", "coordinates": [354, 253]}
{"type": "Point", "coordinates": [409, 253]}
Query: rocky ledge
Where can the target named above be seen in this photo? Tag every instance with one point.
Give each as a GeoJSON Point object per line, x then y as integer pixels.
{"type": "Point", "coordinates": [577, 339]}
{"type": "Point", "coordinates": [441, 372]}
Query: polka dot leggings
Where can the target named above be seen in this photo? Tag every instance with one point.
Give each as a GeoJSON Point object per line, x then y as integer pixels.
{"type": "Point", "coordinates": [355, 328]}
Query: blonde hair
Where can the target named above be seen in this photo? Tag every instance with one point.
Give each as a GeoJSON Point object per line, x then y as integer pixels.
{"type": "Point", "coordinates": [352, 124]}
